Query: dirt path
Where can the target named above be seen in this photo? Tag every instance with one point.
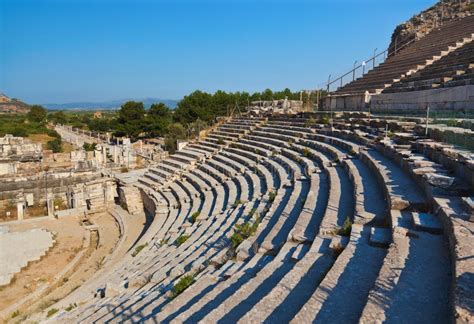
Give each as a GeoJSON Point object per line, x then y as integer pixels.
{"type": "Point", "coordinates": [69, 236]}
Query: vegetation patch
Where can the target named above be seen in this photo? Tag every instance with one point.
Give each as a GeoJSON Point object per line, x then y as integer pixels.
{"type": "Point", "coordinates": [138, 249]}
{"type": "Point", "coordinates": [181, 239]}
{"type": "Point", "coordinates": [183, 283]}
{"type": "Point", "coordinates": [352, 152]}
{"type": "Point", "coordinates": [52, 311]}
{"type": "Point", "coordinates": [237, 202]}
{"type": "Point", "coordinates": [306, 152]}
{"type": "Point", "coordinates": [244, 231]}
{"type": "Point", "coordinates": [346, 228]}
{"type": "Point", "coordinates": [195, 215]}
{"type": "Point", "coordinates": [70, 307]}
{"type": "Point", "coordinates": [89, 147]}
{"type": "Point", "coordinates": [271, 196]}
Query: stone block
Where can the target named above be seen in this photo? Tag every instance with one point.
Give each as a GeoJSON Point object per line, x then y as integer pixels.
{"type": "Point", "coordinates": [427, 223]}
{"type": "Point", "coordinates": [380, 237]}
{"type": "Point", "coordinates": [437, 180]}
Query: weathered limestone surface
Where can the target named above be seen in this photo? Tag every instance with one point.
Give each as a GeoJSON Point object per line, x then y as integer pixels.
{"type": "Point", "coordinates": [17, 249]}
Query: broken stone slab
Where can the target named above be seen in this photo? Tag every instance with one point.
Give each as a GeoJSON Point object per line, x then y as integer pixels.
{"type": "Point", "coordinates": [199, 264]}
{"type": "Point", "coordinates": [438, 180]}
{"type": "Point", "coordinates": [468, 203]}
{"type": "Point", "coordinates": [423, 163]}
{"type": "Point", "coordinates": [339, 241]}
{"type": "Point", "coordinates": [244, 250]}
{"type": "Point", "coordinates": [380, 237]}
{"type": "Point", "coordinates": [427, 223]}
{"type": "Point", "coordinates": [299, 252]}
{"type": "Point", "coordinates": [177, 271]}
{"type": "Point", "coordinates": [425, 170]}
{"type": "Point", "coordinates": [111, 289]}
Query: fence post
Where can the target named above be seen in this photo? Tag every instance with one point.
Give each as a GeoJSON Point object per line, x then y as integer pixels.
{"type": "Point", "coordinates": [354, 70]}
{"type": "Point", "coordinates": [373, 59]}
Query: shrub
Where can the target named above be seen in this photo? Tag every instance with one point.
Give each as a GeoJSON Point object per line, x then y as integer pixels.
{"type": "Point", "coordinates": [345, 230]}
{"type": "Point", "coordinates": [252, 212]}
{"type": "Point", "coordinates": [51, 312]}
{"type": "Point", "coordinates": [70, 307]}
{"type": "Point", "coordinates": [138, 249]}
{"type": "Point", "coordinates": [309, 122]}
{"type": "Point", "coordinates": [19, 132]}
{"type": "Point", "coordinates": [15, 313]}
{"type": "Point", "coordinates": [52, 133]}
{"type": "Point", "coordinates": [182, 285]}
{"type": "Point", "coordinates": [452, 122]}
{"type": "Point", "coordinates": [164, 241]}
{"type": "Point", "coordinates": [237, 202]}
{"type": "Point", "coordinates": [325, 120]}
{"type": "Point", "coordinates": [220, 141]}
{"type": "Point", "coordinates": [194, 216]}
{"type": "Point", "coordinates": [352, 152]}
{"type": "Point", "coordinates": [243, 231]}
{"type": "Point", "coordinates": [336, 160]}
{"type": "Point", "coordinates": [306, 152]}
{"type": "Point", "coordinates": [60, 203]}
{"type": "Point", "coordinates": [89, 147]}
{"type": "Point", "coordinates": [55, 145]}
{"type": "Point", "coordinates": [181, 239]}
{"type": "Point", "coordinates": [271, 196]}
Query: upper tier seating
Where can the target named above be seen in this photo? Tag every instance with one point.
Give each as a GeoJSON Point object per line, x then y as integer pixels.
{"type": "Point", "coordinates": [414, 57]}
{"type": "Point", "coordinates": [456, 66]}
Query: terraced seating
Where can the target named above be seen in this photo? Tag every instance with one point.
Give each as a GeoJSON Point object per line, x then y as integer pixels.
{"type": "Point", "coordinates": [414, 57]}
{"type": "Point", "coordinates": [403, 255]}
{"type": "Point", "coordinates": [455, 64]}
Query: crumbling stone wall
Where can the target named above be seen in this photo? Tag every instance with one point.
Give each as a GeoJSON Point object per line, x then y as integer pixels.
{"type": "Point", "coordinates": [421, 24]}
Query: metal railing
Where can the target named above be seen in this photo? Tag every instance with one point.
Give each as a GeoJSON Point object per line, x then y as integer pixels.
{"type": "Point", "coordinates": [364, 66]}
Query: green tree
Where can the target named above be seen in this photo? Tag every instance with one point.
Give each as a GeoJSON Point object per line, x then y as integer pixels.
{"type": "Point", "coordinates": [58, 117]}
{"type": "Point", "coordinates": [175, 132]}
{"type": "Point", "coordinates": [158, 120]}
{"type": "Point", "coordinates": [37, 113]}
{"type": "Point", "coordinates": [159, 110]}
{"type": "Point", "coordinates": [55, 145]}
{"type": "Point", "coordinates": [131, 120]}
{"type": "Point", "coordinates": [89, 147]}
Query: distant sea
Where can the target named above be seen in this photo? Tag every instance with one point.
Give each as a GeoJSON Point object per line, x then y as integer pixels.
{"type": "Point", "coordinates": [107, 105]}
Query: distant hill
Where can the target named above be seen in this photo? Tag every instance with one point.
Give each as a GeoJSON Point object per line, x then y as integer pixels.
{"type": "Point", "coordinates": [12, 105]}
{"type": "Point", "coordinates": [107, 105]}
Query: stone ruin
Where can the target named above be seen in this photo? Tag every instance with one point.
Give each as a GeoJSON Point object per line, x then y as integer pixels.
{"type": "Point", "coordinates": [357, 220]}
{"type": "Point", "coordinates": [274, 107]}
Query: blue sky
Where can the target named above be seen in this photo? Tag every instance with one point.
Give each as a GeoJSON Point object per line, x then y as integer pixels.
{"type": "Point", "coordinates": [71, 50]}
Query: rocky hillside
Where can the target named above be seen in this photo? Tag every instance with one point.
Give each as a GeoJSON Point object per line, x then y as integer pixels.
{"type": "Point", "coordinates": [9, 105]}
{"type": "Point", "coordinates": [426, 21]}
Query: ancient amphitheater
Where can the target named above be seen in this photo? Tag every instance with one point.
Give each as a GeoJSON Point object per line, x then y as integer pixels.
{"type": "Point", "coordinates": [313, 217]}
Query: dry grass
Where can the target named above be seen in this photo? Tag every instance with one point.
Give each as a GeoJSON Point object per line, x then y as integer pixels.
{"type": "Point", "coordinates": [35, 211]}
{"type": "Point", "coordinates": [40, 138]}
{"type": "Point", "coordinates": [44, 138]}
